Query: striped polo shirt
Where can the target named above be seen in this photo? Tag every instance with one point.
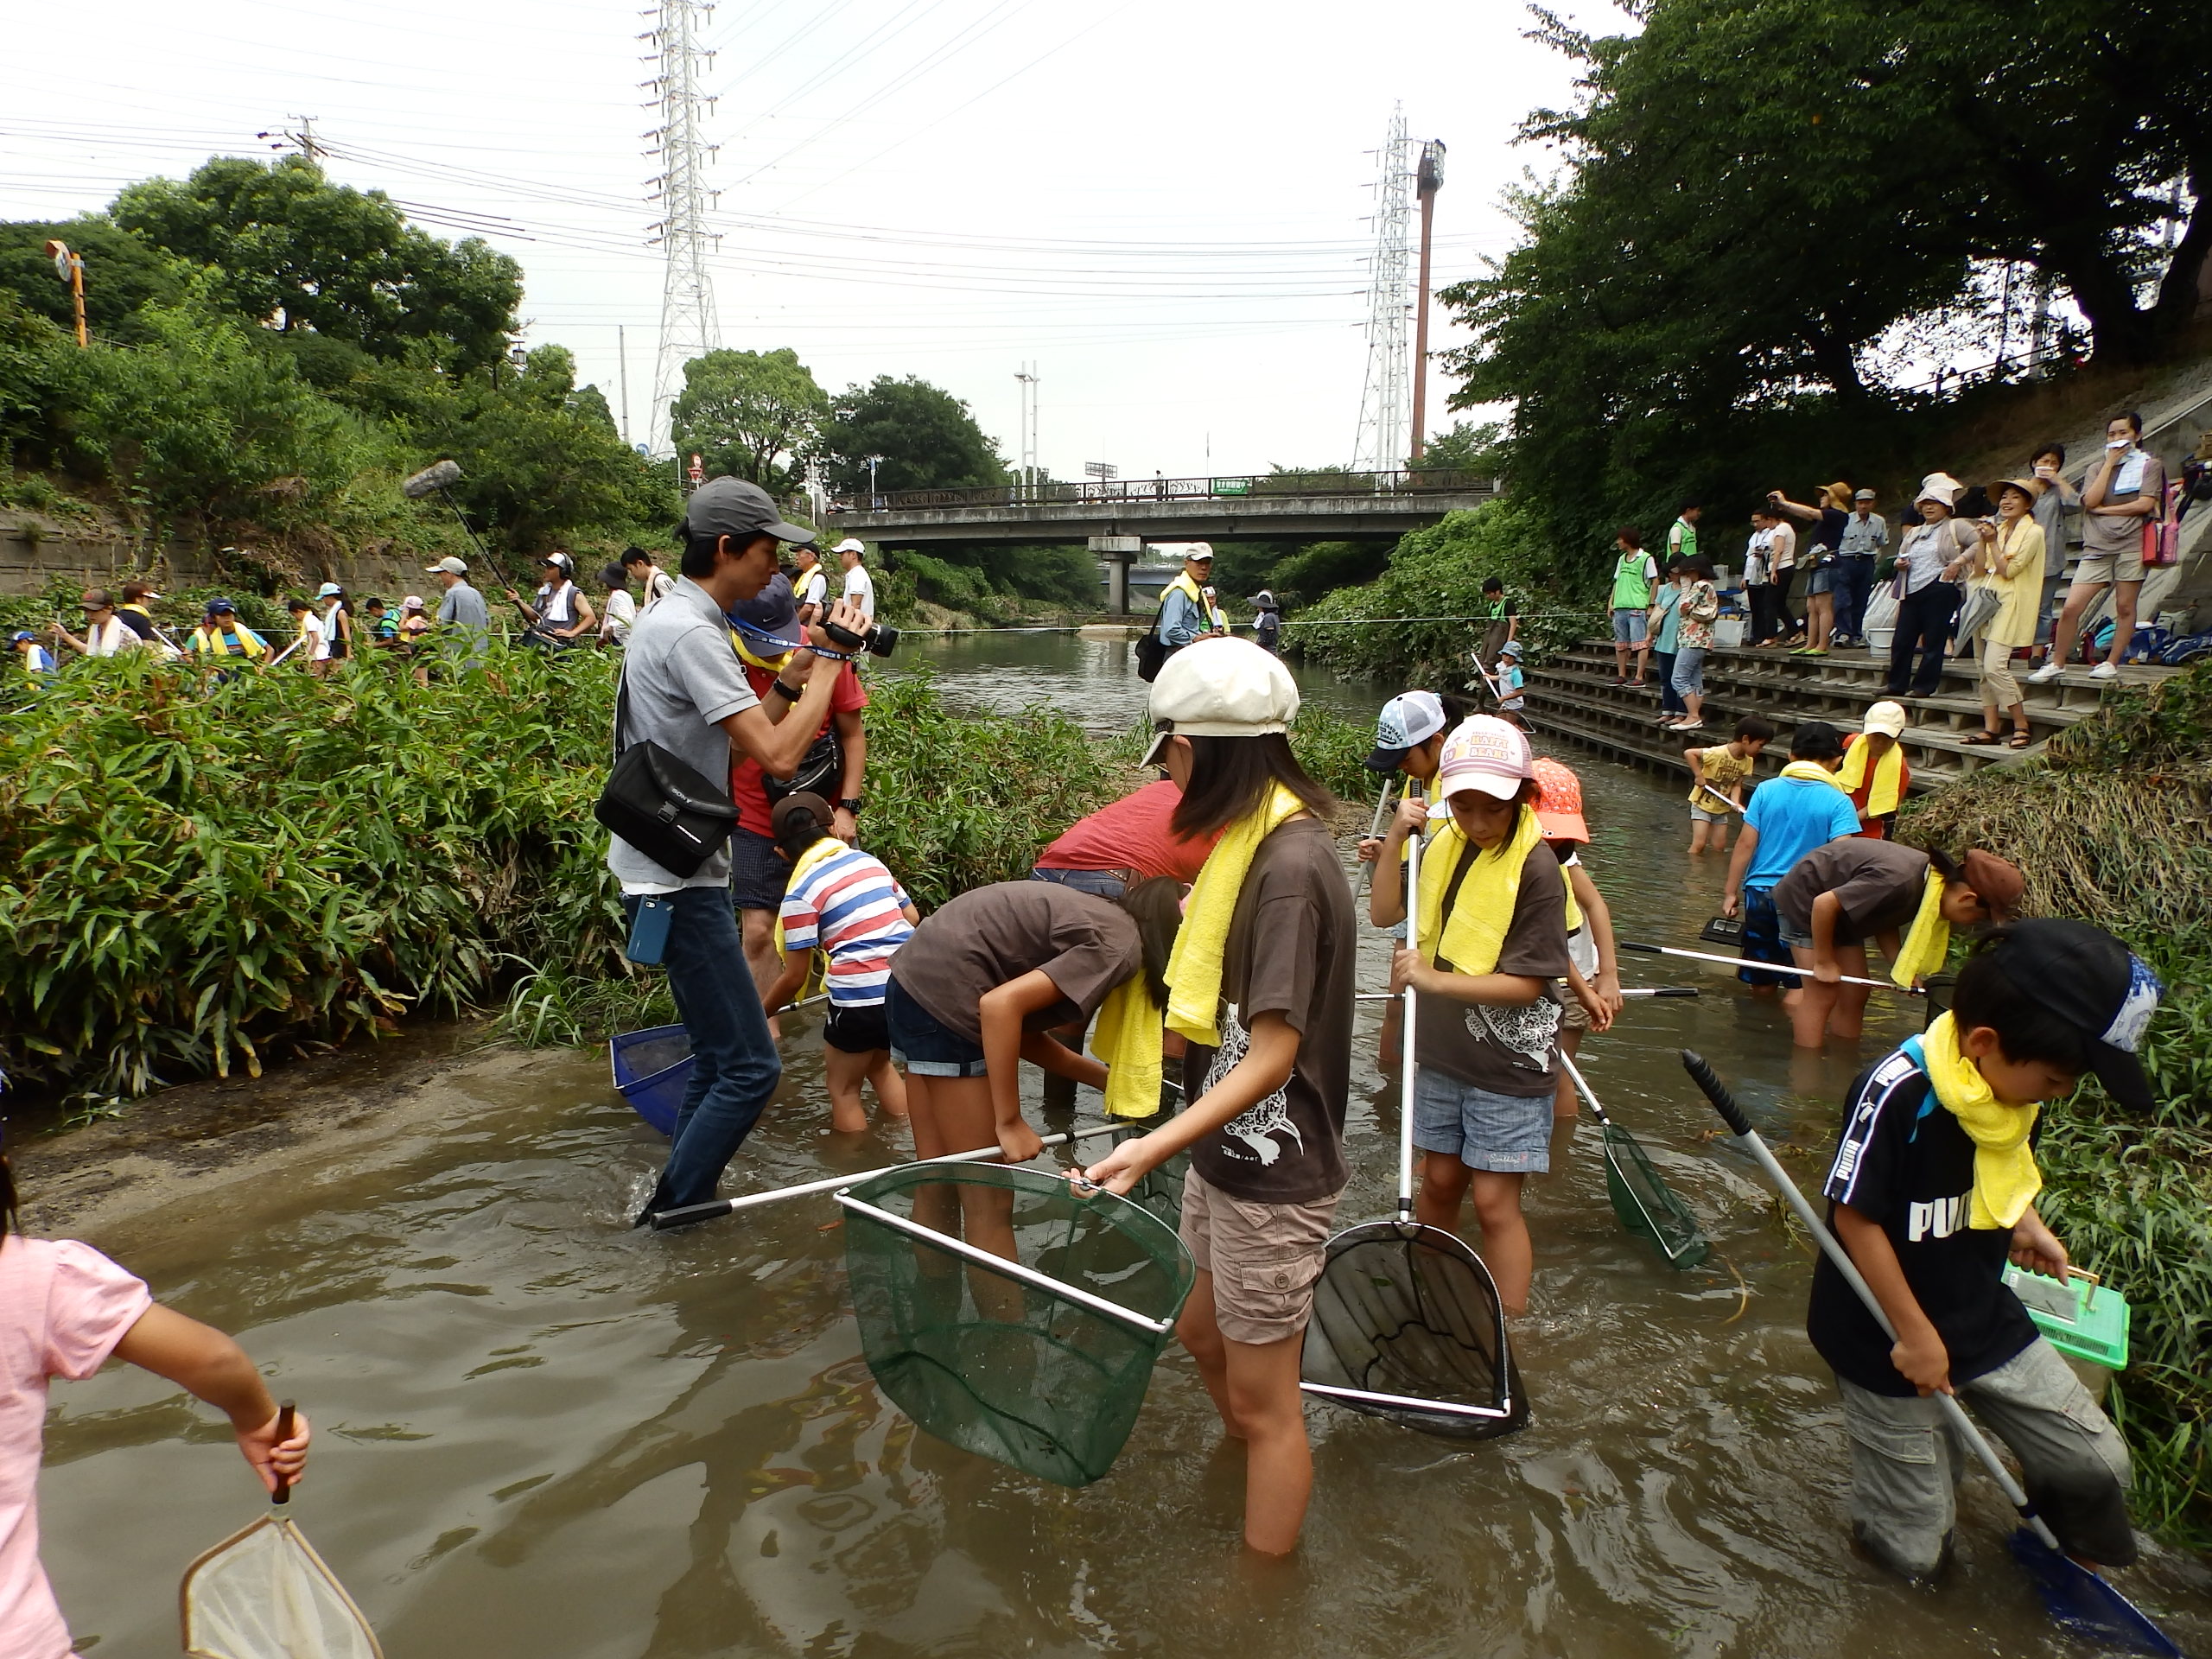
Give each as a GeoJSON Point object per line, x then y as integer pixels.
{"type": "Point", "coordinates": [848, 904]}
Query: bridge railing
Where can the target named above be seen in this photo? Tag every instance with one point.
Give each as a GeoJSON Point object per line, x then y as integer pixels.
{"type": "Point", "coordinates": [1219, 486]}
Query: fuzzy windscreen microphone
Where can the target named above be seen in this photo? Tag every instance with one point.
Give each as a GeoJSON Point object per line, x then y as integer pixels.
{"type": "Point", "coordinates": [445, 474]}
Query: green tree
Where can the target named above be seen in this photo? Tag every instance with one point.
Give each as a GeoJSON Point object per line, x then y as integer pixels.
{"type": "Point", "coordinates": [927, 437]}
{"type": "Point", "coordinates": [751, 415]}
{"type": "Point", "coordinates": [297, 252]}
{"type": "Point", "coordinates": [122, 273]}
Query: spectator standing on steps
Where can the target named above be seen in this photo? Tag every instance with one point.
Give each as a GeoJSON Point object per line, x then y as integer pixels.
{"type": "Point", "coordinates": [2010, 562]}
{"type": "Point", "coordinates": [1822, 544]}
{"type": "Point", "coordinates": [1759, 579]}
{"type": "Point", "coordinates": [2124, 488]}
{"type": "Point", "coordinates": [1666, 640]}
{"type": "Point", "coordinates": [1635, 578]}
{"type": "Point", "coordinates": [686, 692]}
{"type": "Point", "coordinates": [1700, 607]}
{"type": "Point", "coordinates": [1681, 534]}
{"type": "Point", "coordinates": [1931, 561]}
{"type": "Point", "coordinates": [1501, 619]}
{"type": "Point", "coordinates": [2058, 499]}
{"type": "Point", "coordinates": [1866, 533]}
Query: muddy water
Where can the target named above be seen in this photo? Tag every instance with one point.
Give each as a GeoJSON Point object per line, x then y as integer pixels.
{"type": "Point", "coordinates": [539, 1433]}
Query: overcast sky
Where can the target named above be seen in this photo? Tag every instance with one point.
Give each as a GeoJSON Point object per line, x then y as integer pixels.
{"type": "Point", "coordinates": [1162, 204]}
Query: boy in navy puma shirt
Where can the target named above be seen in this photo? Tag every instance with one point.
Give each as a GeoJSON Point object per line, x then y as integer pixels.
{"type": "Point", "coordinates": [1931, 1190]}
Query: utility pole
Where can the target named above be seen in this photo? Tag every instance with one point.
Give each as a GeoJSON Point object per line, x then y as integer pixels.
{"type": "Point", "coordinates": [1427, 182]}
{"type": "Point", "coordinates": [689, 327]}
{"type": "Point", "coordinates": [70, 268]}
{"type": "Point", "coordinates": [304, 137]}
{"type": "Point", "coordinates": [622, 357]}
{"type": "Point", "coordinates": [1383, 414]}
{"type": "Point", "coordinates": [873, 462]}
{"type": "Point", "coordinates": [1028, 375]}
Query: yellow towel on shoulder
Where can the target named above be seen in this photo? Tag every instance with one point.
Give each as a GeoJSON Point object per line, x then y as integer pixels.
{"type": "Point", "coordinates": [828, 847]}
{"type": "Point", "coordinates": [1888, 773]}
{"type": "Point", "coordinates": [1127, 1038]}
{"type": "Point", "coordinates": [1812, 772]}
{"type": "Point", "coordinates": [1928, 943]}
{"type": "Point", "coordinates": [1471, 937]}
{"type": "Point", "coordinates": [1194, 966]}
{"type": "Point", "coordinates": [2006, 1178]}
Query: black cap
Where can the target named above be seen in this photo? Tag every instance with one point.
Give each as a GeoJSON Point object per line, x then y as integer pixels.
{"type": "Point", "coordinates": [2084, 975]}
{"type": "Point", "coordinates": [731, 506]}
{"type": "Point", "coordinates": [771, 616]}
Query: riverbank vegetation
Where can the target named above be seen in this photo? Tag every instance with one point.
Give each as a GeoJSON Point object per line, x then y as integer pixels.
{"type": "Point", "coordinates": [2110, 826]}
{"type": "Point", "coordinates": [197, 878]}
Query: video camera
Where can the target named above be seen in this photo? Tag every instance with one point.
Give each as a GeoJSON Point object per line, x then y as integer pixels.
{"type": "Point", "coordinates": [881, 638]}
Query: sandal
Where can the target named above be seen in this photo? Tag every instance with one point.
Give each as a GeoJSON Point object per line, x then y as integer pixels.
{"type": "Point", "coordinates": [1980, 740]}
{"type": "Point", "coordinates": [2018, 740]}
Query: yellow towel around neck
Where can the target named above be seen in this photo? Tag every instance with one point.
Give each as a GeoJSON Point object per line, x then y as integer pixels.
{"type": "Point", "coordinates": [828, 847]}
{"type": "Point", "coordinates": [1471, 937]}
{"type": "Point", "coordinates": [2006, 1178]}
{"type": "Point", "coordinates": [1127, 1038]}
{"type": "Point", "coordinates": [1812, 772]}
{"type": "Point", "coordinates": [1194, 966]}
{"type": "Point", "coordinates": [1928, 943]}
{"type": "Point", "coordinates": [1889, 776]}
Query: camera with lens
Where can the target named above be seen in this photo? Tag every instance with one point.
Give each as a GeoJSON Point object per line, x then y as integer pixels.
{"type": "Point", "coordinates": [881, 638]}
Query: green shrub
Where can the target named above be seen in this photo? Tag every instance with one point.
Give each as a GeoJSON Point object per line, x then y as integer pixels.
{"type": "Point", "coordinates": [1439, 572]}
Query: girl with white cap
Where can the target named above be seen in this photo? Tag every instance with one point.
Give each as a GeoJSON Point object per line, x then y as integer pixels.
{"type": "Point", "coordinates": [1262, 973]}
{"type": "Point", "coordinates": [1493, 939]}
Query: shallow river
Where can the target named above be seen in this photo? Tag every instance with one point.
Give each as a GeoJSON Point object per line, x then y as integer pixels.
{"type": "Point", "coordinates": [540, 1432]}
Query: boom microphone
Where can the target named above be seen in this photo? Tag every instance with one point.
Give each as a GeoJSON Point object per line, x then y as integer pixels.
{"type": "Point", "coordinates": [442, 476]}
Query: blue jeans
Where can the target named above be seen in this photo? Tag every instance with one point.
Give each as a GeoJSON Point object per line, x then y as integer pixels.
{"type": "Point", "coordinates": [1670, 702]}
{"type": "Point", "coordinates": [735, 1070]}
{"type": "Point", "coordinates": [1854, 580]}
{"type": "Point", "coordinates": [1103, 884]}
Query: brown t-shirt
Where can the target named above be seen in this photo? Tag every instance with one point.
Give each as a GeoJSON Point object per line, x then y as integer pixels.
{"type": "Point", "coordinates": [1878, 883]}
{"type": "Point", "coordinates": [1291, 948]}
{"type": "Point", "coordinates": [1507, 1050]}
{"type": "Point", "coordinates": [2104, 534]}
{"type": "Point", "coordinates": [989, 935]}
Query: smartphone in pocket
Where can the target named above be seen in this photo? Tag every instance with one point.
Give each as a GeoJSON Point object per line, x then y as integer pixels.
{"type": "Point", "coordinates": [649, 930]}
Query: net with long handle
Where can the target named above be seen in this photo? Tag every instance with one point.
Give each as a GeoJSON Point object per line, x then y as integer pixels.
{"type": "Point", "coordinates": [1646, 1207]}
{"type": "Point", "coordinates": [264, 1593]}
{"type": "Point", "coordinates": [1407, 1322]}
{"type": "Point", "coordinates": [1029, 1335]}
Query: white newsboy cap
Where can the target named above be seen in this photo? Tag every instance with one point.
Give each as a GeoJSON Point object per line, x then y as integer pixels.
{"type": "Point", "coordinates": [1221, 687]}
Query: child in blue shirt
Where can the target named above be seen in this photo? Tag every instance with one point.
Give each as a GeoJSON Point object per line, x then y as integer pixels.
{"type": "Point", "coordinates": [1788, 817]}
{"type": "Point", "coordinates": [1510, 701]}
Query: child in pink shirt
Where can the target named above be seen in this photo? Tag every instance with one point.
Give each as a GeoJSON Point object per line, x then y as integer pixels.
{"type": "Point", "coordinates": [65, 1309]}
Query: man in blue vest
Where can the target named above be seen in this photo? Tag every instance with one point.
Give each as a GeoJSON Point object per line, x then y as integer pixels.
{"type": "Point", "coordinates": [1184, 613]}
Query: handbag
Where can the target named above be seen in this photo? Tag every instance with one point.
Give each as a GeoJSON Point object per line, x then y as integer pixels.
{"type": "Point", "coordinates": [1151, 651]}
{"type": "Point", "coordinates": [2162, 531]}
{"type": "Point", "coordinates": [821, 766]}
{"type": "Point", "coordinates": [659, 803]}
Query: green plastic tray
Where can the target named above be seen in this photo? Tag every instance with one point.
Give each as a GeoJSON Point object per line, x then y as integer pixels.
{"type": "Point", "coordinates": [2087, 1320]}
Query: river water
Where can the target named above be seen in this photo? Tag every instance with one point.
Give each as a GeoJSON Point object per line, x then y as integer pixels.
{"type": "Point", "coordinates": [540, 1432]}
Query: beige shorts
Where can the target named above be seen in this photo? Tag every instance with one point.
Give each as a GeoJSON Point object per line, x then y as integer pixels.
{"type": "Point", "coordinates": [1263, 1257]}
{"type": "Point", "coordinates": [1572, 1014]}
{"type": "Point", "coordinates": [2110, 567]}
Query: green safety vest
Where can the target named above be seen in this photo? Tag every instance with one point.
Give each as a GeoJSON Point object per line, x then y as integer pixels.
{"type": "Point", "coordinates": [1631, 587]}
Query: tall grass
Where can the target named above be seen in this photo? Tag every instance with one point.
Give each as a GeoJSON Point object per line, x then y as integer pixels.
{"type": "Point", "coordinates": [194, 877]}
{"type": "Point", "coordinates": [2110, 827]}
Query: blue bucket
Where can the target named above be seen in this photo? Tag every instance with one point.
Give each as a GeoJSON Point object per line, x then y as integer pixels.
{"type": "Point", "coordinates": [652, 1069]}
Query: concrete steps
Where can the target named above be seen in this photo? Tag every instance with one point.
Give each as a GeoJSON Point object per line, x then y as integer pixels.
{"type": "Point", "coordinates": [1574, 696]}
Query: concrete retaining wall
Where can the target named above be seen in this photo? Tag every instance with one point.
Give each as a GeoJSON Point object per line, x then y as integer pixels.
{"type": "Point", "coordinates": [35, 550]}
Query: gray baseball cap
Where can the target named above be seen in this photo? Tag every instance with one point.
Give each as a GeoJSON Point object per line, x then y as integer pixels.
{"type": "Point", "coordinates": [732, 507]}
{"type": "Point", "coordinates": [451, 567]}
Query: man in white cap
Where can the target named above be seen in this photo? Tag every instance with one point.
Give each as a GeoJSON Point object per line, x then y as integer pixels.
{"type": "Point", "coordinates": [462, 607]}
{"type": "Point", "coordinates": [859, 586]}
{"type": "Point", "coordinates": [1184, 613]}
{"type": "Point", "coordinates": [684, 690]}
{"type": "Point", "coordinates": [1269, 987]}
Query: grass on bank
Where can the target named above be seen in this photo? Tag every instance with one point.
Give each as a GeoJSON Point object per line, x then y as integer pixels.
{"type": "Point", "coordinates": [2111, 826]}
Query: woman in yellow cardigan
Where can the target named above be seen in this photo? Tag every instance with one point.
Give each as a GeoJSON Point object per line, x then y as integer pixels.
{"type": "Point", "coordinates": [2010, 562]}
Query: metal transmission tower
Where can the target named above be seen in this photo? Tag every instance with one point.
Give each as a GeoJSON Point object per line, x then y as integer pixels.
{"type": "Point", "coordinates": [689, 327]}
{"type": "Point", "coordinates": [1385, 419]}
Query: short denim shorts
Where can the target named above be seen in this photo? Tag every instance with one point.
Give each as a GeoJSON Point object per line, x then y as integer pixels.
{"type": "Point", "coordinates": [922, 1044]}
{"type": "Point", "coordinates": [1822, 580]}
{"type": "Point", "coordinates": [1631, 627]}
{"type": "Point", "coordinates": [1506, 1135]}
{"type": "Point", "coordinates": [1699, 815]}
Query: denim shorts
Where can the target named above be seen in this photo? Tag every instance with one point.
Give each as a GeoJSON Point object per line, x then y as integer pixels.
{"type": "Point", "coordinates": [1699, 815]}
{"type": "Point", "coordinates": [1507, 1134]}
{"type": "Point", "coordinates": [924, 1047]}
{"type": "Point", "coordinates": [1631, 627]}
{"type": "Point", "coordinates": [1821, 581]}
{"type": "Point", "coordinates": [758, 874]}
{"type": "Point", "coordinates": [1103, 884]}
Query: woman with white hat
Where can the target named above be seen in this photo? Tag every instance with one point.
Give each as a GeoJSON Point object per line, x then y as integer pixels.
{"type": "Point", "coordinates": [1932, 560]}
{"type": "Point", "coordinates": [335, 641]}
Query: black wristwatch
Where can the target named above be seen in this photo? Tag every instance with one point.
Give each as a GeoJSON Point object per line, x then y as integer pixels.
{"type": "Point", "coordinates": [787, 692]}
{"type": "Point", "coordinates": [852, 805]}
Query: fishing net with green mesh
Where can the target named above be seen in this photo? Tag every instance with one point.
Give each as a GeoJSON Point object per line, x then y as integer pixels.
{"type": "Point", "coordinates": [1030, 1337]}
{"type": "Point", "coordinates": [1646, 1207]}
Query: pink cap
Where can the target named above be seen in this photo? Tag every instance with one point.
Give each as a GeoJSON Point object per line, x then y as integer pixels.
{"type": "Point", "coordinates": [1486, 753]}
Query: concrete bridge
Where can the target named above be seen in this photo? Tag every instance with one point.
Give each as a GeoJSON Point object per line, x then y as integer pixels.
{"type": "Point", "coordinates": [1279, 506]}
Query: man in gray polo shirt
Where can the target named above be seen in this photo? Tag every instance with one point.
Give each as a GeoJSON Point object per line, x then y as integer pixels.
{"type": "Point", "coordinates": [687, 692]}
